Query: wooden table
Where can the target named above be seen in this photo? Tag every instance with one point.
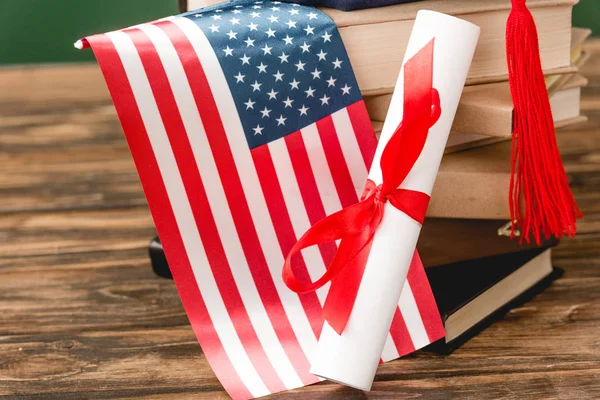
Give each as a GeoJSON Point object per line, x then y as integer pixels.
{"type": "Point", "coordinates": [83, 316]}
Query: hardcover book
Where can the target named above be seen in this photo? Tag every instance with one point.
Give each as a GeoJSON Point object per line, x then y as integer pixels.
{"type": "Point", "coordinates": [472, 295]}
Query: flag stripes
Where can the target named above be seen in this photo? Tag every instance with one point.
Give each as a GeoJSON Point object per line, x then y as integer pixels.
{"type": "Point", "coordinates": [228, 215]}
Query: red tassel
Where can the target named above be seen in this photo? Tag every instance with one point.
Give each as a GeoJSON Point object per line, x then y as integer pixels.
{"type": "Point", "coordinates": [540, 199]}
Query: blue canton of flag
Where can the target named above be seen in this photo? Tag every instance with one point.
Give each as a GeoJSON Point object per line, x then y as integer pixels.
{"type": "Point", "coordinates": [285, 65]}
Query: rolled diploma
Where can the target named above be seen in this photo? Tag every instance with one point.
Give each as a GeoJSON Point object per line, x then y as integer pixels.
{"type": "Point", "coordinates": [352, 358]}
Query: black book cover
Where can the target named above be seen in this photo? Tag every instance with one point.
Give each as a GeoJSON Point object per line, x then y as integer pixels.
{"type": "Point", "coordinates": [453, 286]}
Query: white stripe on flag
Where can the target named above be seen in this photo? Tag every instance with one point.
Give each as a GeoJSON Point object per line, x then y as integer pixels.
{"type": "Point", "coordinates": [297, 211]}
{"type": "Point", "coordinates": [320, 167]}
{"type": "Point", "coordinates": [389, 349]}
{"type": "Point", "coordinates": [250, 183]}
{"type": "Point", "coordinates": [412, 317]}
{"type": "Point", "coordinates": [183, 213]}
{"type": "Point", "coordinates": [351, 149]}
{"type": "Point", "coordinates": [219, 207]}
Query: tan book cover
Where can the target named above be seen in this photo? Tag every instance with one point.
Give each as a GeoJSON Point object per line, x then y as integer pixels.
{"type": "Point", "coordinates": [473, 184]}
{"type": "Point", "coordinates": [487, 109]}
{"type": "Point", "coordinates": [376, 38]}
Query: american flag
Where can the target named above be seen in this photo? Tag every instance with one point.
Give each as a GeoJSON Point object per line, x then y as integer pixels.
{"type": "Point", "coordinates": [247, 126]}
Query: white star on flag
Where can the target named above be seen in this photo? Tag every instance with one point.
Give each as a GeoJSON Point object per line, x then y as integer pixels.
{"type": "Point", "coordinates": [280, 120]}
{"type": "Point", "coordinates": [250, 104]}
{"type": "Point", "coordinates": [258, 130]}
{"type": "Point", "coordinates": [303, 110]}
{"type": "Point", "coordinates": [287, 39]}
{"type": "Point", "coordinates": [265, 113]}
{"type": "Point", "coordinates": [256, 86]}
{"type": "Point", "coordinates": [245, 59]}
{"type": "Point", "coordinates": [262, 68]}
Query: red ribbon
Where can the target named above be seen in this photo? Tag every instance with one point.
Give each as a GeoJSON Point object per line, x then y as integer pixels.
{"type": "Point", "coordinates": [356, 225]}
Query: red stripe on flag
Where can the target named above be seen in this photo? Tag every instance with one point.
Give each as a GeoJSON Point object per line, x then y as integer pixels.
{"type": "Point", "coordinates": [337, 162]}
{"type": "Point", "coordinates": [400, 335]}
{"type": "Point", "coordinates": [417, 278]}
{"type": "Point", "coordinates": [285, 231]}
{"type": "Point", "coordinates": [236, 198]}
{"type": "Point", "coordinates": [308, 188]}
{"type": "Point", "coordinates": [363, 129]}
{"type": "Point", "coordinates": [161, 209]}
{"type": "Point", "coordinates": [200, 206]}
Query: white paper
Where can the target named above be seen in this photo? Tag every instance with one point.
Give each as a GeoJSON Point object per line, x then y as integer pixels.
{"type": "Point", "coordinates": [352, 358]}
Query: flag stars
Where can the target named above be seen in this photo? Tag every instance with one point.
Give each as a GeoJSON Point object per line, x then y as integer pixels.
{"type": "Point", "coordinates": [255, 14]}
{"type": "Point", "coordinates": [281, 120]}
{"type": "Point", "coordinates": [331, 82]}
{"type": "Point", "coordinates": [305, 47]}
{"type": "Point", "coordinates": [214, 28]}
{"type": "Point", "coordinates": [312, 16]}
{"type": "Point", "coordinates": [275, 8]}
{"type": "Point", "coordinates": [326, 37]}
{"type": "Point", "coordinates": [346, 89]}
{"type": "Point", "coordinates": [293, 12]}
{"type": "Point", "coordinates": [265, 113]}
{"type": "Point", "coordinates": [250, 104]}
{"type": "Point", "coordinates": [256, 7]}
{"type": "Point", "coordinates": [316, 74]}
{"type": "Point", "coordinates": [216, 17]}
{"type": "Point", "coordinates": [198, 15]}
{"type": "Point", "coordinates": [228, 51]}
{"type": "Point", "coordinates": [270, 33]}
{"type": "Point", "coordinates": [236, 11]}
{"type": "Point", "coordinates": [234, 21]}
{"type": "Point", "coordinates": [300, 66]}
{"type": "Point", "coordinates": [337, 63]}
{"type": "Point", "coordinates": [245, 59]}
{"type": "Point", "coordinates": [288, 102]}
{"type": "Point", "coordinates": [283, 57]}
{"type": "Point", "coordinates": [303, 110]}
{"type": "Point", "coordinates": [256, 86]}
{"type": "Point", "coordinates": [309, 30]}
{"type": "Point", "coordinates": [273, 94]}
{"type": "Point", "coordinates": [252, 26]}
{"type": "Point", "coordinates": [249, 42]}
{"type": "Point", "coordinates": [239, 78]}
{"type": "Point", "coordinates": [310, 92]}
{"type": "Point", "coordinates": [266, 50]}
{"type": "Point", "coordinates": [294, 84]}
{"type": "Point", "coordinates": [262, 68]}
{"type": "Point", "coordinates": [273, 18]}
{"type": "Point", "coordinates": [325, 100]}
{"type": "Point", "coordinates": [291, 24]}
{"type": "Point", "coordinates": [232, 34]}
{"type": "Point", "coordinates": [258, 130]}
{"type": "Point", "coordinates": [278, 76]}
{"type": "Point", "coordinates": [287, 39]}
{"type": "Point", "coordinates": [322, 55]}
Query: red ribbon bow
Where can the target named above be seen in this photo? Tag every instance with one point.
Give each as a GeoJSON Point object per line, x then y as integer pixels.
{"type": "Point", "coordinates": [356, 225]}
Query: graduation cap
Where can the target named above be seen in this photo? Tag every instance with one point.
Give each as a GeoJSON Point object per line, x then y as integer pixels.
{"type": "Point", "coordinates": [541, 201]}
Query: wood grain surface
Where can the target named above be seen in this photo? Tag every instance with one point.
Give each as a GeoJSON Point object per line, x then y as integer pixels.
{"type": "Point", "coordinates": [83, 316]}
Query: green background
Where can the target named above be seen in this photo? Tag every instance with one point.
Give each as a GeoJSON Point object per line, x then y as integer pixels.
{"type": "Point", "coordinates": [34, 31]}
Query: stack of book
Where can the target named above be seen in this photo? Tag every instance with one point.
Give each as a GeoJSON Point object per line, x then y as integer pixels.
{"type": "Point", "coordinates": [476, 271]}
